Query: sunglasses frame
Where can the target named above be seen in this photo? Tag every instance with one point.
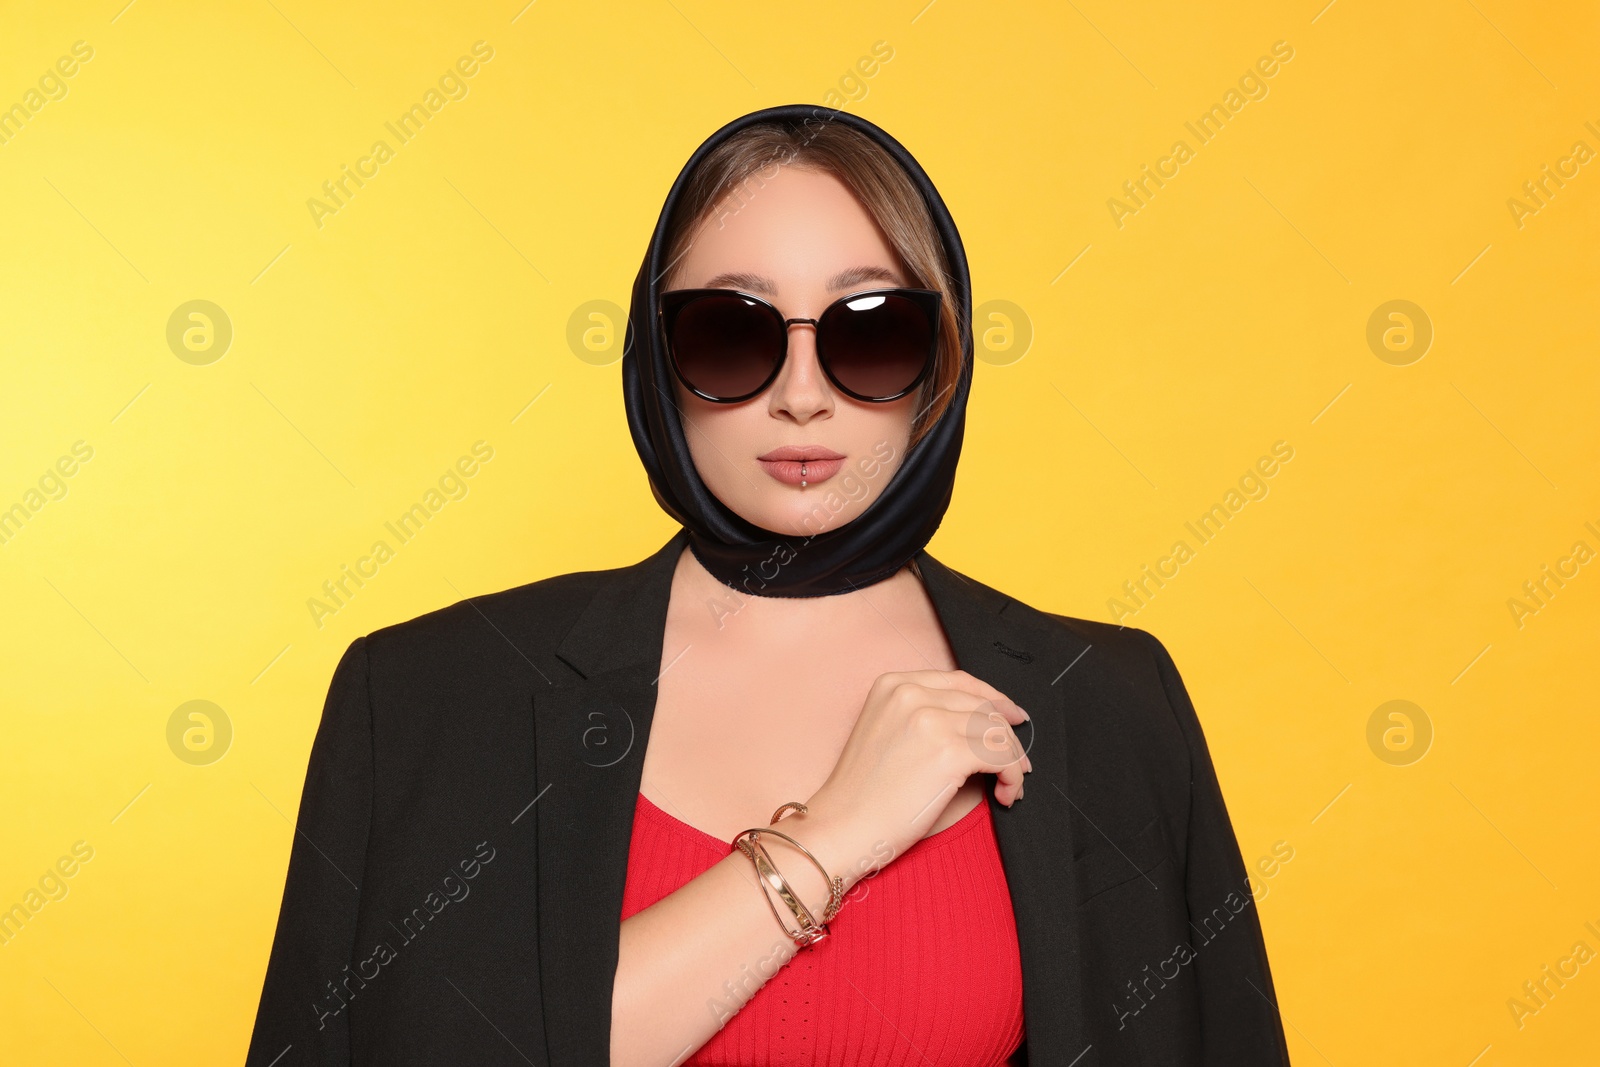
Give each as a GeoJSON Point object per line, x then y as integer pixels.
{"type": "Point", "coordinates": [674, 301]}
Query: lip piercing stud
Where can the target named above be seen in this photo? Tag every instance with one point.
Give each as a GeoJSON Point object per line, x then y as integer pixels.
{"type": "Point", "coordinates": [802, 474]}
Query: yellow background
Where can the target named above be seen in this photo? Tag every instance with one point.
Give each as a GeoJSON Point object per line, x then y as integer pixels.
{"type": "Point", "coordinates": [1230, 312]}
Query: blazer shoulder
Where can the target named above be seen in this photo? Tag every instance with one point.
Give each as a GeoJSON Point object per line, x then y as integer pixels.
{"type": "Point", "coordinates": [531, 618]}
{"type": "Point", "coordinates": [1123, 641]}
{"type": "Point", "coordinates": [1144, 665]}
{"type": "Point", "coordinates": [1142, 649]}
{"type": "Point", "coordinates": [1135, 658]}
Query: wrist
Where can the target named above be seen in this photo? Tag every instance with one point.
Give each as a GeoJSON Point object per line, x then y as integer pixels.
{"type": "Point", "coordinates": [835, 842]}
{"type": "Point", "coordinates": [804, 880]}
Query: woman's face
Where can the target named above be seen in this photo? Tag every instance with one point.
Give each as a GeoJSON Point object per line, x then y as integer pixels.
{"type": "Point", "coordinates": [801, 241]}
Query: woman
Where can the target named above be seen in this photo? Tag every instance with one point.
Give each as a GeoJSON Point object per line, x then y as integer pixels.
{"type": "Point", "coordinates": [525, 834]}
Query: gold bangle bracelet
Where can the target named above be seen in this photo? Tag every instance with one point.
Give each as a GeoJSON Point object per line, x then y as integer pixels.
{"type": "Point", "coordinates": [810, 929]}
{"type": "Point", "coordinates": [835, 884]}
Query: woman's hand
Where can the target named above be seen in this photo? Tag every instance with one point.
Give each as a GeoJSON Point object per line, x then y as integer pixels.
{"type": "Point", "coordinates": [919, 736]}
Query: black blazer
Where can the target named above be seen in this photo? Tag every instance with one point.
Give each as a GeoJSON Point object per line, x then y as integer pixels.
{"type": "Point", "coordinates": [455, 884]}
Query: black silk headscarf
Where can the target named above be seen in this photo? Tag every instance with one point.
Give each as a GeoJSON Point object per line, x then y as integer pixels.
{"type": "Point", "coordinates": [905, 514]}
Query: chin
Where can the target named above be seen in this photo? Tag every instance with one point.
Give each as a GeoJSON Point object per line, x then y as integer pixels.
{"type": "Point", "coordinates": [803, 512]}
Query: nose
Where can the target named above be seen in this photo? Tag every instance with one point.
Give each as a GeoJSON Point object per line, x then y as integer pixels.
{"type": "Point", "coordinates": [802, 391]}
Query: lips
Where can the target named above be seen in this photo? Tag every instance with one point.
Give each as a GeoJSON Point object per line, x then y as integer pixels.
{"type": "Point", "coordinates": [784, 463]}
{"type": "Point", "coordinates": [809, 453]}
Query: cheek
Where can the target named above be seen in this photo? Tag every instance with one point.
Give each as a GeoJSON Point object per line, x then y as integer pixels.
{"type": "Point", "coordinates": [718, 434]}
{"type": "Point", "coordinates": [877, 441]}
{"type": "Point", "coordinates": [889, 429]}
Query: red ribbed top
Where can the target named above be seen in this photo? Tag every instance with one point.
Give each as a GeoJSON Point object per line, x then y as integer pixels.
{"type": "Point", "coordinates": [921, 965]}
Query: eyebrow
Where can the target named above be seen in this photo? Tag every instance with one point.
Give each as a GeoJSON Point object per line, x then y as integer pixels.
{"type": "Point", "coordinates": [756, 283]}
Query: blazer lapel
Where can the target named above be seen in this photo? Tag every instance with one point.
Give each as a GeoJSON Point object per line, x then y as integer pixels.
{"type": "Point", "coordinates": [1025, 657]}
{"type": "Point", "coordinates": [590, 738]}
{"type": "Point", "coordinates": [589, 744]}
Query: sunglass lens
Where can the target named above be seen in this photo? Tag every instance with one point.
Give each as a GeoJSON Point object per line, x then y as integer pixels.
{"type": "Point", "coordinates": [726, 346]}
{"type": "Point", "coordinates": [877, 345]}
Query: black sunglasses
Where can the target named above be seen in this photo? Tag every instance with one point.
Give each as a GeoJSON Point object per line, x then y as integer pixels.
{"type": "Point", "coordinates": [727, 346]}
